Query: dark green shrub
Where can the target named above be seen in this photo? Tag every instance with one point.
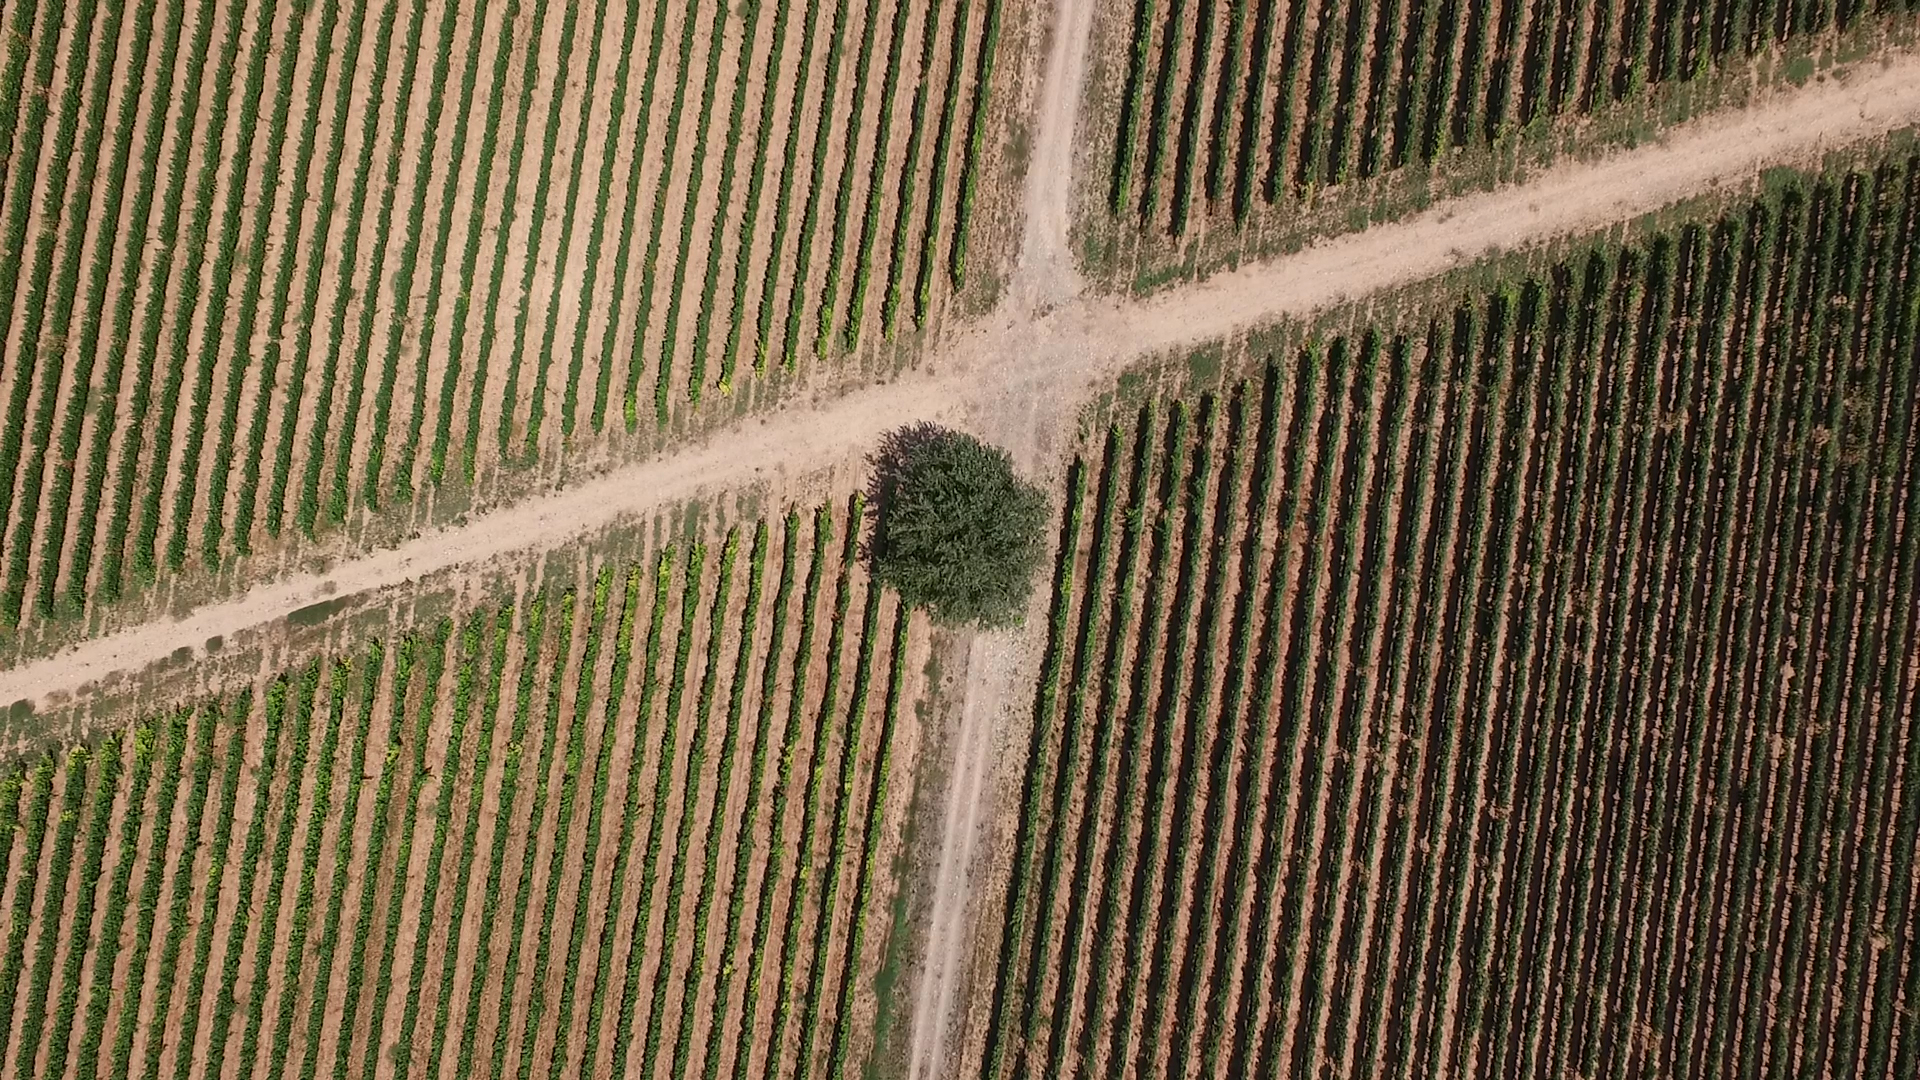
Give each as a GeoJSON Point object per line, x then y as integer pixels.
{"type": "Point", "coordinates": [956, 532]}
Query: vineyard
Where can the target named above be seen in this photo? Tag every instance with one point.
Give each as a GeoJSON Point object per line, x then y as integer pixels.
{"type": "Point", "coordinates": [265, 268]}
{"type": "Point", "coordinates": [1221, 109]}
{"type": "Point", "coordinates": [636, 821]}
{"type": "Point", "coordinates": [1527, 690]}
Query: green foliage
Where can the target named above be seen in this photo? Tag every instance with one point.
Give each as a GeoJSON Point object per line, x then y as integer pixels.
{"type": "Point", "coordinates": [470, 257]}
{"type": "Point", "coordinates": [838, 1054]}
{"type": "Point", "coordinates": [221, 275]}
{"type": "Point", "coordinates": [756, 776]}
{"type": "Point", "coordinates": [797, 282]}
{"type": "Point", "coordinates": [19, 41]}
{"type": "Point", "coordinates": [318, 811]}
{"type": "Point", "coordinates": [514, 761]}
{"type": "Point", "coordinates": [470, 659]}
{"type": "Point", "coordinates": [329, 937]}
{"type": "Point", "coordinates": [406, 659]}
{"type": "Point", "coordinates": [99, 822]}
{"type": "Point", "coordinates": [213, 532]}
{"type": "Point", "coordinates": [774, 869]}
{"type": "Point", "coordinates": [307, 515]}
{"type": "Point", "coordinates": [179, 918]}
{"type": "Point", "coordinates": [942, 152]}
{"type": "Point", "coordinates": [537, 400]}
{"type": "Point", "coordinates": [843, 192]}
{"type": "Point", "coordinates": [170, 767]}
{"type": "Point", "coordinates": [188, 293]}
{"type": "Point", "coordinates": [723, 770]}
{"type": "Point", "coordinates": [976, 144]}
{"type": "Point", "coordinates": [736, 117]}
{"type": "Point", "coordinates": [650, 269]}
{"type": "Point", "coordinates": [254, 459]}
{"type": "Point", "coordinates": [877, 173]}
{"type": "Point", "coordinates": [52, 899]}
{"type": "Point", "coordinates": [1120, 190]}
{"type": "Point", "coordinates": [621, 259]}
{"type": "Point", "coordinates": [18, 204]}
{"type": "Point", "coordinates": [33, 829]}
{"type": "Point", "coordinates": [1188, 149]}
{"type": "Point", "coordinates": [403, 274]}
{"type": "Point", "coordinates": [249, 866]}
{"type": "Point", "coordinates": [1110, 680]}
{"type": "Point", "coordinates": [690, 797]}
{"type": "Point", "coordinates": [431, 310]}
{"type": "Point", "coordinates": [1226, 93]}
{"type": "Point", "coordinates": [1086, 644]}
{"type": "Point", "coordinates": [106, 944]}
{"type": "Point", "coordinates": [48, 349]}
{"type": "Point", "coordinates": [602, 777]}
{"type": "Point", "coordinates": [435, 665]}
{"type": "Point", "coordinates": [482, 761]}
{"type": "Point", "coordinates": [904, 198]}
{"type": "Point", "coordinates": [689, 206]}
{"type": "Point", "coordinates": [756, 183]}
{"type": "Point", "coordinates": [563, 821]}
{"type": "Point", "coordinates": [956, 531]}
{"type": "Point", "coordinates": [538, 220]}
{"type": "Point", "coordinates": [1039, 774]}
{"type": "Point", "coordinates": [617, 106]}
{"type": "Point", "coordinates": [306, 512]}
{"type": "Point", "coordinates": [843, 799]}
{"type": "Point", "coordinates": [510, 969]}
{"type": "Point", "coordinates": [503, 239]}
{"type": "Point", "coordinates": [225, 997]}
{"type": "Point", "coordinates": [113, 560]}
{"type": "Point", "coordinates": [86, 354]}
{"type": "Point", "coordinates": [823, 732]}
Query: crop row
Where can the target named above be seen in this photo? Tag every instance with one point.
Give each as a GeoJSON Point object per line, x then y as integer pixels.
{"type": "Point", "coordinates": [371, 472]}
{"type": "Point", "coordinates": [1512, 768]}
{"type": "Point", "coordinates": [662, 786]}
{"type": "Point", "coordinates": [755, 787]}
{"type": "Point", "coordinates": [723, 767]}
{"type": "Point", "coordinates": [843, 816]}
{"type": "Point", "coordinates": [538, 398]}
{"type": "Point", "coordinates": [315, 209]}
{"type": "Point", "coordinates": [1332, 91]}
{"type": "Point", "coordinates": [805, 870]}
{"type": "Point", "coordinates": [488, 790]}
{"type": "Point", "coordinates": [678, 856]}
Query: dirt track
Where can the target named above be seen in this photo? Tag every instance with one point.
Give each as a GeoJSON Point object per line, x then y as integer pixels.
{"type": "Point", "coordinates": [1021, 373]}
{"type": "Point", "coordinates": [1043, 366]}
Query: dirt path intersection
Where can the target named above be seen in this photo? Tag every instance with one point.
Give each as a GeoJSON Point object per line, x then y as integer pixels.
{"type": "Point", "coordinates": [1019, 376]}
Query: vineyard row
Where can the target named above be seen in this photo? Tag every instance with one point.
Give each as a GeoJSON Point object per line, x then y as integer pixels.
{"type": "Point", "coordinates": [1230, 105]}
{"type": "Point", "coordinates": [1525, 690]}
{"type": "Point", "coordinates": [384, 245]}
{"type": "Point", "coordinates": [626, 824]}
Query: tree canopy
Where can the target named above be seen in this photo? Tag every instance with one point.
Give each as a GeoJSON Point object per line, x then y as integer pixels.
{"type": "Point", "coordinates": [956, 532]}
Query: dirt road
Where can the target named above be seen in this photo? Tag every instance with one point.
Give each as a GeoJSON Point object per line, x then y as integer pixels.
{"type": "Point", "coordinates": [1000, 371]}
{"type": "Point", "coordinates": [1020, 374]}
{"type": "Point", "coordinates": [1045, 273]}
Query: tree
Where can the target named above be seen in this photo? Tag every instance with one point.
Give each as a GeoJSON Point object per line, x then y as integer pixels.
{"type": "Point", "coordinates": [955, 531]}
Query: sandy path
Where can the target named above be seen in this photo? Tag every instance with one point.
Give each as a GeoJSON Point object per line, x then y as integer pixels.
{"type": "Point", "coordinates": [1046, 272]}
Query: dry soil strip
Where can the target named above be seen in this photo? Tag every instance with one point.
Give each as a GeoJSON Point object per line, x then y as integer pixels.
{"type": "Point", "coordinates": [1046, 271]}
